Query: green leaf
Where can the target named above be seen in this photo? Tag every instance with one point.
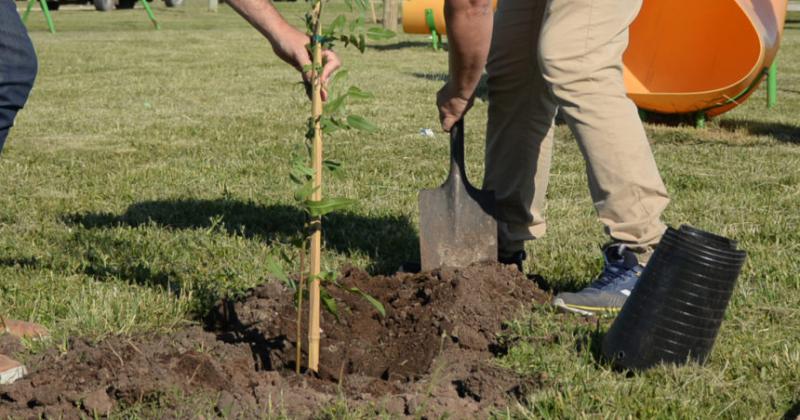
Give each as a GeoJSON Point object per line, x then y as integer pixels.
{"type": "Point", "coordinates": [336, 80]}
{"type": "Point", "coordinates": [339, 123]}
{"type": "Point", "coordinates": [327, 276]}
{"type": "Point", "coordinates": [327, 205]}
{"type": "Point", "coordinates": [377, 33]}
{"type": "Point", "coordinates": [332, 107]}
{"type": "Point", "coordinates": [335, 26]}
{"type": "Point", "coordinates": [310, 22]}
{"type": "Point", "coordinates": [357, 93]}
{"type": "Point", "coordinates": [310, 128]}
{"type": "Point", "coordinates": [301, 194]}
{"type": "Point", "coordinates": [329, 303]}
{"type": "Point", "coordinates": [372, 301]}
{"type": "Point", "coordinates": [361, 123]}
{"type": "Point", "coordinates": [300, 167]}
{"type": "Point", "coordinates": [362, 43]}
{"type": "Point", "coordinates": [332, 165]}
{"type": "Point", "coordinates": [286, 257]}
{"type": "Point", "coordinates": [328, 125]}
{"type": "Point", "coordinates": [300, 173]}
{"type": "Point", "coordinates": [277, 271]}
{"type": "Point", "coordinates": [296, 179]}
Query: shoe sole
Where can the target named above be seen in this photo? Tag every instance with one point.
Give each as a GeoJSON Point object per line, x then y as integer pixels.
{"type": "Point", "coordinates": [11, 375]}
{"type": "Point", "coordinates": [584, 310]}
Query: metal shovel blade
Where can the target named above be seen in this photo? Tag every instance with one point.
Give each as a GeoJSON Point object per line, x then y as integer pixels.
{"type": "Point", "coordinates": [457, 225]}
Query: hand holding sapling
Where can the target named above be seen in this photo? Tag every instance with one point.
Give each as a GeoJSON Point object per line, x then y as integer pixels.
{"type": "Point", "coordinates": [288, 43]}
{"type": "Point", "coordinates": [317, 62]}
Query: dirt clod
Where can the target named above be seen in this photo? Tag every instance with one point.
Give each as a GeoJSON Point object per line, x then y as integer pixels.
{"type": "Point", "coordinates": [429, 356]}
{"type": "Point", "coordinates": [10, 345]}
{"type": "Point", "coordinates": [98, 403]}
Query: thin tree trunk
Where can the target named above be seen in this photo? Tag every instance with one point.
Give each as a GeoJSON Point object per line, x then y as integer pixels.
{"type": "Point", "coordinates": [372, 8]}
{"type": "Point", "coordinates": [298, 358]}
{"type": "Point", "coordinates": [390, 14]}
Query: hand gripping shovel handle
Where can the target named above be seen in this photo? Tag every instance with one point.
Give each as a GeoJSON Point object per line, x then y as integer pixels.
{"type": "Point", "coordinates": [457, 152]}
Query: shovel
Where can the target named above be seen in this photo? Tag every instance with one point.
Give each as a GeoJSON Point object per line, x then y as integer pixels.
{"type": "Point", "coordinates": [457, 224]}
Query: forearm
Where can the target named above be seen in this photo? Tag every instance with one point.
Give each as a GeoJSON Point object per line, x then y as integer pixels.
{"type": "Point", "coordinates": [469, 33]}
{"type": "Point", "coordinates": [263, 16]}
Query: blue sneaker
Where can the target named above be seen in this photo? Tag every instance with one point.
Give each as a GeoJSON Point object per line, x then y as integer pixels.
{"type": "Point", "coordinates": [610, 290]}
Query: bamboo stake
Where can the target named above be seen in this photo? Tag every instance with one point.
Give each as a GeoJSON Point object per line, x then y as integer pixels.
{"type": "Point", "coordinates": [316, 222]}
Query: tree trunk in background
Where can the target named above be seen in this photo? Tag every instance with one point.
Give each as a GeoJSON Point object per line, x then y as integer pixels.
{"type": "Point", "coordinates": [372, 9]}
{"type": "Point", "coordinates": [390, 15]}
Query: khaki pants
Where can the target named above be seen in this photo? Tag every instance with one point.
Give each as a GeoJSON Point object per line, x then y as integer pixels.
{"type": "Point", "coordinates": [567, 54]}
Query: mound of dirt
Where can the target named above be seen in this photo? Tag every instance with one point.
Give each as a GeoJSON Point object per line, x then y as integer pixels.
{"type": "Point", "coordinates": [430, 355]}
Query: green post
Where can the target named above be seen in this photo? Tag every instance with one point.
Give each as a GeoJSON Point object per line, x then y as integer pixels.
{"type": "Point", "coordinates": [772, 85]}
{"type": "Point", "coordinates": [27, 11]}
{"type": "Point", "coordinates": [431, 21]}
{"type": "Point", "coordinates": [46, 11]}
{"type": "Point", "coordinates": [150, 14]}
{"type": "Point", "coordinates": [700, 120]}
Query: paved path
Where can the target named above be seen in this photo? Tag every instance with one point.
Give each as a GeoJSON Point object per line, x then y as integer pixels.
{"type": "Point", "coordinates": [794, 6]}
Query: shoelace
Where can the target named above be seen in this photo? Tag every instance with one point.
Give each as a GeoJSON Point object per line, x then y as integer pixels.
{"type": "Point", "coordinates": [613, 272]}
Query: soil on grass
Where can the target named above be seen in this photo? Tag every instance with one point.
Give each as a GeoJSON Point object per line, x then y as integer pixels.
{"type": "Point", "coordinates": [430, 355]}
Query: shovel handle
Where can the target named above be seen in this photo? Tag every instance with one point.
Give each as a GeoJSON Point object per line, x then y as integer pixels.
{"type": "Point", "coordinates": [457, 150]}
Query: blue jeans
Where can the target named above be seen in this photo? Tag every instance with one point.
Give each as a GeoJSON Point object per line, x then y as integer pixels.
{"type": "Point", "coordinates": [17, 66]}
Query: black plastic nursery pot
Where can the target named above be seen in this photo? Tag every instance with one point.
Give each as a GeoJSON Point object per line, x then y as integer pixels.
{"type": "Point", "coordinates": [702, 245]}
{"type": "Point", "coordinates": [703, 237]}
{"type": "Point", "coordinates": [701, 253]}
{"type": "Point", "coordinates": [675, 312]}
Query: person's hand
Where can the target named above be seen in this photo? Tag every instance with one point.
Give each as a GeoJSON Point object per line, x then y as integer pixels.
{"type": "Point", "coordinates": [22, 329]}
{"type": "Point", "coordinates": [452, 106]}
{"type": "Point", "coordinates": [292, 47]}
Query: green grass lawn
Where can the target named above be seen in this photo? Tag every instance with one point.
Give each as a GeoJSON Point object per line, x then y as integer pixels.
{"type": "Point", "coordinates": [148, 176]}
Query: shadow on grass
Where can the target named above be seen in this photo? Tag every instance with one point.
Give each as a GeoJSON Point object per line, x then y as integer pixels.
{"type": "Point", "coordinates": [21, 262]}
{"type": "Point", "coordinates": [794, 412]}
{"type": "Point", "coordinates": [405, 44]}
{"type": "Point", "coordinates": [778, 131]}
{"type": "Point", "coordinates": [556, 286]}
{"type": "Point", "coordinates": [387, 240]}
{"type": "Point", "coordinates": [591, 341]}
{"type": "Point", "coordinates": [670, 120]}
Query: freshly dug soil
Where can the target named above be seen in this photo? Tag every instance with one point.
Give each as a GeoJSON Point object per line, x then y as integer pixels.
{"type": "Point", "coordinates": [429, 356]}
